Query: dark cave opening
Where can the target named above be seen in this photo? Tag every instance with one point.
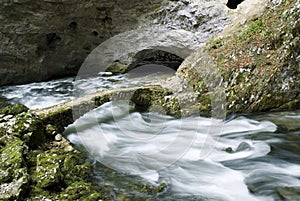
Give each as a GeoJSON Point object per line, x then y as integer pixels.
{"type": "Point", "coordinates": [158, 57]}
{"type": "Point", "coordinates": [232, 4]}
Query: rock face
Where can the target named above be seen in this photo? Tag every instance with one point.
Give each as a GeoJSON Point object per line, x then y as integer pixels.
{"type": "Point", "coordinates": [125, 51]}
{"type": "Point", "coordinates": [178, 28]}
{"type": "Point", "coordinates": [41, 40]}
{"type": "Point", "coordinates": [46, 39]}
{"type": "Point", "coordinates": [256, 67]}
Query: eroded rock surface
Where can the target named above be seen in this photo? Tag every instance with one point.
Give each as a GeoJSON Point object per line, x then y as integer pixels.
{"type": "Point", "coordinates": [41, 40]}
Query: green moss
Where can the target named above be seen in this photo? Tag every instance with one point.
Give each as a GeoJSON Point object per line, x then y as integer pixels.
{"type": "Point", "coordinates": [59, 118]}
{"type": "Point", "coordinates": [80, 191]}
{"type": "Point", "coordinates": [14, 109]}
{"type": "Point", "coordinates": [215, 43]}
{"type": "Point", "coordinates": [75, 169]}
{"type": "Point", "coordinates": [30, 128]}
{"type": "Point", "coordinates": [117, 68]}
{"type": "Point", "coordinates": [48, 172]}
{"type": "Point", "coordinates": [11, 158]}
{"type": "Point", "coordinates": [257, 27]}
{"type": "Point", "coordinates": [229, 150]}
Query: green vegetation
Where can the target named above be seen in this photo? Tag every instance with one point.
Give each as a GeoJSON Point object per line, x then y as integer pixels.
{"type": "Point", "coordinates": [259, 26]}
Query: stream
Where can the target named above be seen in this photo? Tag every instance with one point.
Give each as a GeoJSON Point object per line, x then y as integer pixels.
{"type": "Point", "coordinates": [249, 157]}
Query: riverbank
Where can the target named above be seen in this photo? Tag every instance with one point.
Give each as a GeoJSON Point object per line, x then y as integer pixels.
{"type": "Point", "coordinates": [254, 69]}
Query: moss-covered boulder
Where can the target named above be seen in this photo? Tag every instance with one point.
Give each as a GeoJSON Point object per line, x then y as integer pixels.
{"type": "Point", "coordinates": [75, 168]}
{"type": "Point", "coordinates": [30, 168]}
{"type": "Point", "coordinates": [48, 172]}
{"type": "Point", "coordinates": [13, 172]}
{"type": "Point", "coordinates": [14, 109]}
{"type": "Point", "coordinates": [27, 126]}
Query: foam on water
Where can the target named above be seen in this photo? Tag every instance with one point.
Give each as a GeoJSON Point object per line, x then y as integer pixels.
{"type": "Point", "coordinates": [46, 94]}
{"type": "Point", "coordinates": [156, 147]}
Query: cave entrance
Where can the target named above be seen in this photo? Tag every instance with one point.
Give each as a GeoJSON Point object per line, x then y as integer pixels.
{"type": "Point", "coordinates": [156, 58]}
{"type": "Point", "coordinates": [232, 4]}
{"type": "Point", "coordinates": [154, 63]}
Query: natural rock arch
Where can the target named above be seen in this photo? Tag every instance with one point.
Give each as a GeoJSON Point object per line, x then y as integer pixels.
{"type": "Point", "coordinates": [123, 52]}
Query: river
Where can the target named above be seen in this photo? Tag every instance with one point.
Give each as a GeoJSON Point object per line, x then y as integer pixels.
{"type": "Point", "coordinates": [249, 157]}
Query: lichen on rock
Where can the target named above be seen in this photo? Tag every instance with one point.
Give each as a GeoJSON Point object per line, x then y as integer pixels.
{"type": "Point", "coordinates": [257, 66]}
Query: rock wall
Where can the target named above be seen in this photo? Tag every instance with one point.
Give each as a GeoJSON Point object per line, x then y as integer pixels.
{"type": "Point", "coordinates": [40, 40]}
{"type": "Point", "coordinates": [256, 68]}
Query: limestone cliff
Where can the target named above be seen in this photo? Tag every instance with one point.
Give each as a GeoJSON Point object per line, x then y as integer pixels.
{"type": "Point", "coordinates": [255, 68]}
{"type": "Point", "coordinates": [40, 40]}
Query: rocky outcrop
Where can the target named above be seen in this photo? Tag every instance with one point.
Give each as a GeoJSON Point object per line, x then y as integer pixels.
{"type": "Point", "coordinates": [178, 28]}
{"type": "Point", "coordinates": [37, 164]}
{"type": "Point", "coordinates": [45, 39]}
{"type": "Point", "coordinates": [256, 67]}
{"type": "Point", "coordinates": [143, 97]}
{"type": "Point", "coordinates": [125, 51]}
{"type": "Point", "coordinates": [42, 40]}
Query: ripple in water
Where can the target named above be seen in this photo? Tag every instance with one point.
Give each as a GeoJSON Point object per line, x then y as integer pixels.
{"type": "Point", "coordinates": [46, 94]}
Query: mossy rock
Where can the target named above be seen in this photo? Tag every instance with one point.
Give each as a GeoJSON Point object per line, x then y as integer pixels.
{"type": "Point", "coordinates": [11, 158]}
{"type": "Point", "coordinates": [13, 173]}
{"type": "Point", "coordinates": [29, 128]}
{"type": "Point", "coordinates": [81, 191]}
{"type": "Point", "coordinates": [3, 102]}
{"type": "Point", "coordinates": [289, 193]}
{"type": "Point", "coordinates": [14, 190]}
{"type": "Point", "coordinates": [14, 109]}
{"type": "Point", "coordinates": [48, 174]}
{"type": "Point", "coordinates": [75, 169]}
{"type": "Point", "coordinates": [117, 68]}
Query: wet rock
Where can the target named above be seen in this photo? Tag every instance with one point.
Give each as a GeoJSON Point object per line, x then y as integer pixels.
{"type": "Point", "coordinates": [13, 190]}
{"type": "Point", "coordinates": [11, 157]}
{"type": "Point", "coordinates": [33, 170]}
{"type": "Point", "coordinates": [289, 193]}
{"type": "Point", "coordinates": [75, 169]}
{"type": "Point", "coordinates": [243, 146]}
{"type": "Point", "coordinates": [58, 137]}
{"type": "Point", "coordinates": [229, 150]}
{"type": "Point", "coordinates": [27, 126]}
{"type": "Point", "coordinates": [3, 102]}
{"type": "Point", "coordinates": [80, 191]}
{"type": "Point", "coordinates": [51, 130]}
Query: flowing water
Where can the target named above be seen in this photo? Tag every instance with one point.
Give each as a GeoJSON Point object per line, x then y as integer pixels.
{"type": "Point", "coordinates": [252, 158]}
{"type": "Point", "coordinates": [45, 94]}
{"type": "Point", "coordinates": [247, 158]}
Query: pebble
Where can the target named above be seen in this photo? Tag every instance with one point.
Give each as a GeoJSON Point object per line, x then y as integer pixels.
{"type": "Point", "coordinates": [58, 137]}
{"type": "Point", "coordinates": [68, 148]}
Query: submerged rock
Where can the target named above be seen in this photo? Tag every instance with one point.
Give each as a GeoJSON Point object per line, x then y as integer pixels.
{"type": "Point", "coordinates": [243, 146]}
{"type": "Point", "coordinates": [289, 193]}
